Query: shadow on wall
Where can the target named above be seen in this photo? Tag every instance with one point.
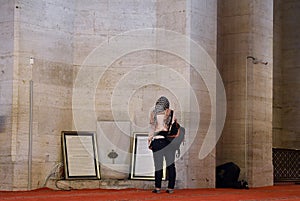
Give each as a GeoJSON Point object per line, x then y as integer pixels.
{"type": "Point", "coordinates": [2, 124]}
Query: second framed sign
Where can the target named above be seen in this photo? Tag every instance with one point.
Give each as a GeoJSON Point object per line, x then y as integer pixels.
{"type": "Point", "coordinates": [142, 166]}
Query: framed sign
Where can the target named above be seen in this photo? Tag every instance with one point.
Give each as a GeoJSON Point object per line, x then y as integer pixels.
{"type": "Point", "coordinates": [142, 166]}
{"type": "Point", "coordinates": [80, 155]}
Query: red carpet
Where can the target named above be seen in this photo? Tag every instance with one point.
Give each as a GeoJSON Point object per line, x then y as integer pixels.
{"type": "Point", "coordinates": [282, 192]}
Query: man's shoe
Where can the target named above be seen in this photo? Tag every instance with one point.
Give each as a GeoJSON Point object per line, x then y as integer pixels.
{"type": "Point", "coordinates": [156, 191]}
{"type": "Point", "coordinates": [170, 191]}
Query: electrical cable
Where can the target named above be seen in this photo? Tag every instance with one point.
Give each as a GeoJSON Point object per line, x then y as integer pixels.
{"type": "Point", "coordinates": [56, 172]}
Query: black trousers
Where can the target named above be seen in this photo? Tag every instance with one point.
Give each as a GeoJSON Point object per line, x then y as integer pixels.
{"type": "Point", "coordinates": [160, 151]}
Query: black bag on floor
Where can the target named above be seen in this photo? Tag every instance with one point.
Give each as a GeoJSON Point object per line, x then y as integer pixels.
{"type": "Point", "coordinates": [227, 176]}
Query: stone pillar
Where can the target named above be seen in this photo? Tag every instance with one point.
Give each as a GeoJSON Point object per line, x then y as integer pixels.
{"type": "Point", "coordinates": [260, 96]}
{"type": "Point", "coordinates": [246, 29]}
{"type": "Point", "coordinates": [189, 17]}
{"type": "Point", "coordinates": [42, 30]}
{"type": "Point", "coordinates": [6, 90]}
{"type": "Point", "coordinates": [202, 28]}
{"type": "Point", "coordinates": [290, 68]}
{"type": "Point", "coordinates": [277, 76]}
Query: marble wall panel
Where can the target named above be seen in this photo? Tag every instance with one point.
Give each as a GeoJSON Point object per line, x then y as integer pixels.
{"type": "Point", "coordinates": [6, 94]}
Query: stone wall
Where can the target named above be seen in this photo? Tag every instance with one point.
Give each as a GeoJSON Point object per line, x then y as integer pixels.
{"type": "Point", "coordinates": [6, 89]}
{"type": "Point", "coordinates": [64, 38]}
{"type": "Point", "coordinates": [42, 30]}
{"type": "Point", "coordinates": [102, 21]}
{"type": "Point", "coordinates": [57, 35]}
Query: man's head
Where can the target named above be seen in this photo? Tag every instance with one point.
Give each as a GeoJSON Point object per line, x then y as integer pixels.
{"type": "Point", "coordinates": [162, 103]}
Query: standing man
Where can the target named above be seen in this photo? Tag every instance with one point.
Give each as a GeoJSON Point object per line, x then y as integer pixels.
{"type": "Point", "coordinates": [160, 121]}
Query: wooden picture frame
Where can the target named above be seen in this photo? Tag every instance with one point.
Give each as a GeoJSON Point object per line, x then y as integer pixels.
{"type": "Point", "coordinates": [80, 155]}
{"type": "Point", "coordinates": [142, 166]}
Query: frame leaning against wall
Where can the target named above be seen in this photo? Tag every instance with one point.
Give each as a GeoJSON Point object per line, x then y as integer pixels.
{"type": "Point", "coordinates": [142, 166]}
{"type": "Point", "coordinates": [80, 155]}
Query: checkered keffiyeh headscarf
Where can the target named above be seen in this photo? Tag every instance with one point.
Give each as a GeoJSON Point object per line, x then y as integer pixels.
{"type": "Point", "coordinates": [161, 105]}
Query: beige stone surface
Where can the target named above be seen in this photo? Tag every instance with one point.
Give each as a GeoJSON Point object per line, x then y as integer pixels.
{"type": "Point", "coordinates": [6, 92]}
{"type": "Point", "coordinates": [61, 37]}
{"type": "Point", "coordinates": [249, 116]}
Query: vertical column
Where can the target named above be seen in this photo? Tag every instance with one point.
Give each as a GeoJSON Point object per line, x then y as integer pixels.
{"type": "Point", "coordinates": [6, 92]}
{"type": "Point", "coordinates": [290, 74]}
{"type": "Point", "coordinates": [260, 94]}
{"type": "Point", "coordinates": [246, 30]}
{"type": "Point", "coordinates": [202, 28]}
{"type": "Point", "coordinates": [197, 19]}
{"type": "Point", "coordinates": [47, 37]}
{"type": "Point", "coordinates": [234, 38]}
{"type": "Point", "coordinates": [277, 75]}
